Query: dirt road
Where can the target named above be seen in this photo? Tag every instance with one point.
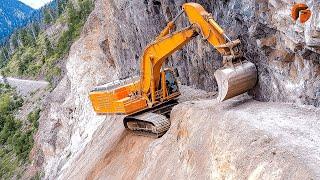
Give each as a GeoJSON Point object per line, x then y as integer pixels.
{"type": "Point", "coordinates": [24, 87]}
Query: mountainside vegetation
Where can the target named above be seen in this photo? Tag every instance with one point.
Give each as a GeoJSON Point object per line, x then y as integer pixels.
{"type": "Point", "coordinates": [34, 51]}
{"type": "Point", "coordinates": [16, 136]}
{"type": "Point", "coordinates": [14, 14]}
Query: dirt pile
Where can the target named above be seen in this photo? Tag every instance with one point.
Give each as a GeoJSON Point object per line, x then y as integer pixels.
{"type": "Point", "coordinates": [238, 139]}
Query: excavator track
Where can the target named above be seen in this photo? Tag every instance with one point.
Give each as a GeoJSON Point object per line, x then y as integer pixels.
{"type": "Point", "coordinates": [152, 123]}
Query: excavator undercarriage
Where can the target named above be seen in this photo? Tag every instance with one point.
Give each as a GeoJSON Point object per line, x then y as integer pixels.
{"type": "Point", "coordinates": [153, 123]}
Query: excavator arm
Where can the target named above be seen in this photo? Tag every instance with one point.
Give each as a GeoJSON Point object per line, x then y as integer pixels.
{"type": "Point", "coordinates": [155, 55]}
{"type": "Point", "coordinates": [147, 101]}
{"type": "Point", "coordinates": [202, 23]}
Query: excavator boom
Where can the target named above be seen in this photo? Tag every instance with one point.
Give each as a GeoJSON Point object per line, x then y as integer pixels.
{"type": "Point", "coordinates": [167, 43]}
{"type": "Point", "coordinates": [147, 101]}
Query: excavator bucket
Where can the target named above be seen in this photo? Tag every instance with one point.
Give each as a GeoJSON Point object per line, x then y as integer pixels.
{"type": "Point", "coordinates": [233, 81]}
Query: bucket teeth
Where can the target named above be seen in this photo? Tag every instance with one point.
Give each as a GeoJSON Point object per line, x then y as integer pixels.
{"type": "Point", "coordinates": [233, 81]}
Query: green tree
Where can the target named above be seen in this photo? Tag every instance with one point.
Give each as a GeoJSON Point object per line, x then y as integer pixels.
{"type": "Point", "coordinates": [48, 47]}
{"type": "Point", "coordinates": [48, 18]}
{"type": "Point", "coordinates": [86, 7]}
{"type": "Point", "coordinates": [14, 40]}
{"type": "Point", "coordinates": [61, 6]}
{"type": "Point", "coordinates": [4, 57]}
{"type": "Point", "coordinates": [27, 37]}
{"type": "Point", "coordinates": [16, 139]}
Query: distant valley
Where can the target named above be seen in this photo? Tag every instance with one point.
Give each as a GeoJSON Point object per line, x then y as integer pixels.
{"type": "Point", "coordinates": [14, 14]}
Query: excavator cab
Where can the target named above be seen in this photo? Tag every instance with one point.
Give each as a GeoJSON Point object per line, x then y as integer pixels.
{"type": "Point", "coordinates": [168, 85]}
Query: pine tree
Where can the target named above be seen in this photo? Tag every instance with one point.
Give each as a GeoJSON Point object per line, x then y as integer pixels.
{"type": "Point", "coordinates": [49, 48]}
{"type": "Point", "coordinates": [4, 58]}
{"type": "Point", "coordinates": [48, 18]}
{"type": "Point", "coordinates": [61, 6]}
{"type": "Point", "coordinates": [14, 42]}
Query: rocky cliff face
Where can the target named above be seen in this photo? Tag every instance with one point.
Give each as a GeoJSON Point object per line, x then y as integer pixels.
{"type": "Point", "coordinates": [114, 36]}
{"type": "Point", "coordinates": [286, 52]}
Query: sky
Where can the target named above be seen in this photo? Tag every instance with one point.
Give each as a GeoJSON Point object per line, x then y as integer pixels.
{"type": "Point", "coordinates": [35, 4]}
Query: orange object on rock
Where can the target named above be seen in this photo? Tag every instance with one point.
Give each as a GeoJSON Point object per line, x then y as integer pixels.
{"type": "Point", "coordinates": [300, 11]}
{"type": "Point", "coordinates": [305, 15]}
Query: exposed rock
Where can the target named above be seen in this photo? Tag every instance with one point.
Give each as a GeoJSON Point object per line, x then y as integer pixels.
{"type": "Point", "coordinates": [238, 139]}
{"type": "Point", "coordinates": [271, 39]}
{"type": "Point", "coordinates": [111, 43]}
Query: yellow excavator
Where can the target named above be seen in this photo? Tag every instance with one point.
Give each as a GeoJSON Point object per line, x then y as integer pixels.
{"type": "Point", "coordinates": [147, 100]}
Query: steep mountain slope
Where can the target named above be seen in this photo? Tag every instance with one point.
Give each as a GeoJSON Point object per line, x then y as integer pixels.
{"type": "Point", "coordinates": [13, 14]}
{"type": "Point", "coordinates": [285, 52]}
{"type": "Point", "coordinates": [37, 50]}
{"type": "Point", "coordinates": [238, 139]}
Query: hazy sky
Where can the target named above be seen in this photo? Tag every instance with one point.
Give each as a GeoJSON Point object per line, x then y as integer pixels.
{"type": "Point", "coordinates": [36, 4]}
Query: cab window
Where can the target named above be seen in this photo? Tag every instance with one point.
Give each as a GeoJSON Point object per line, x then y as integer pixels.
{"type": "Point", "coordinates": [171, 83]}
